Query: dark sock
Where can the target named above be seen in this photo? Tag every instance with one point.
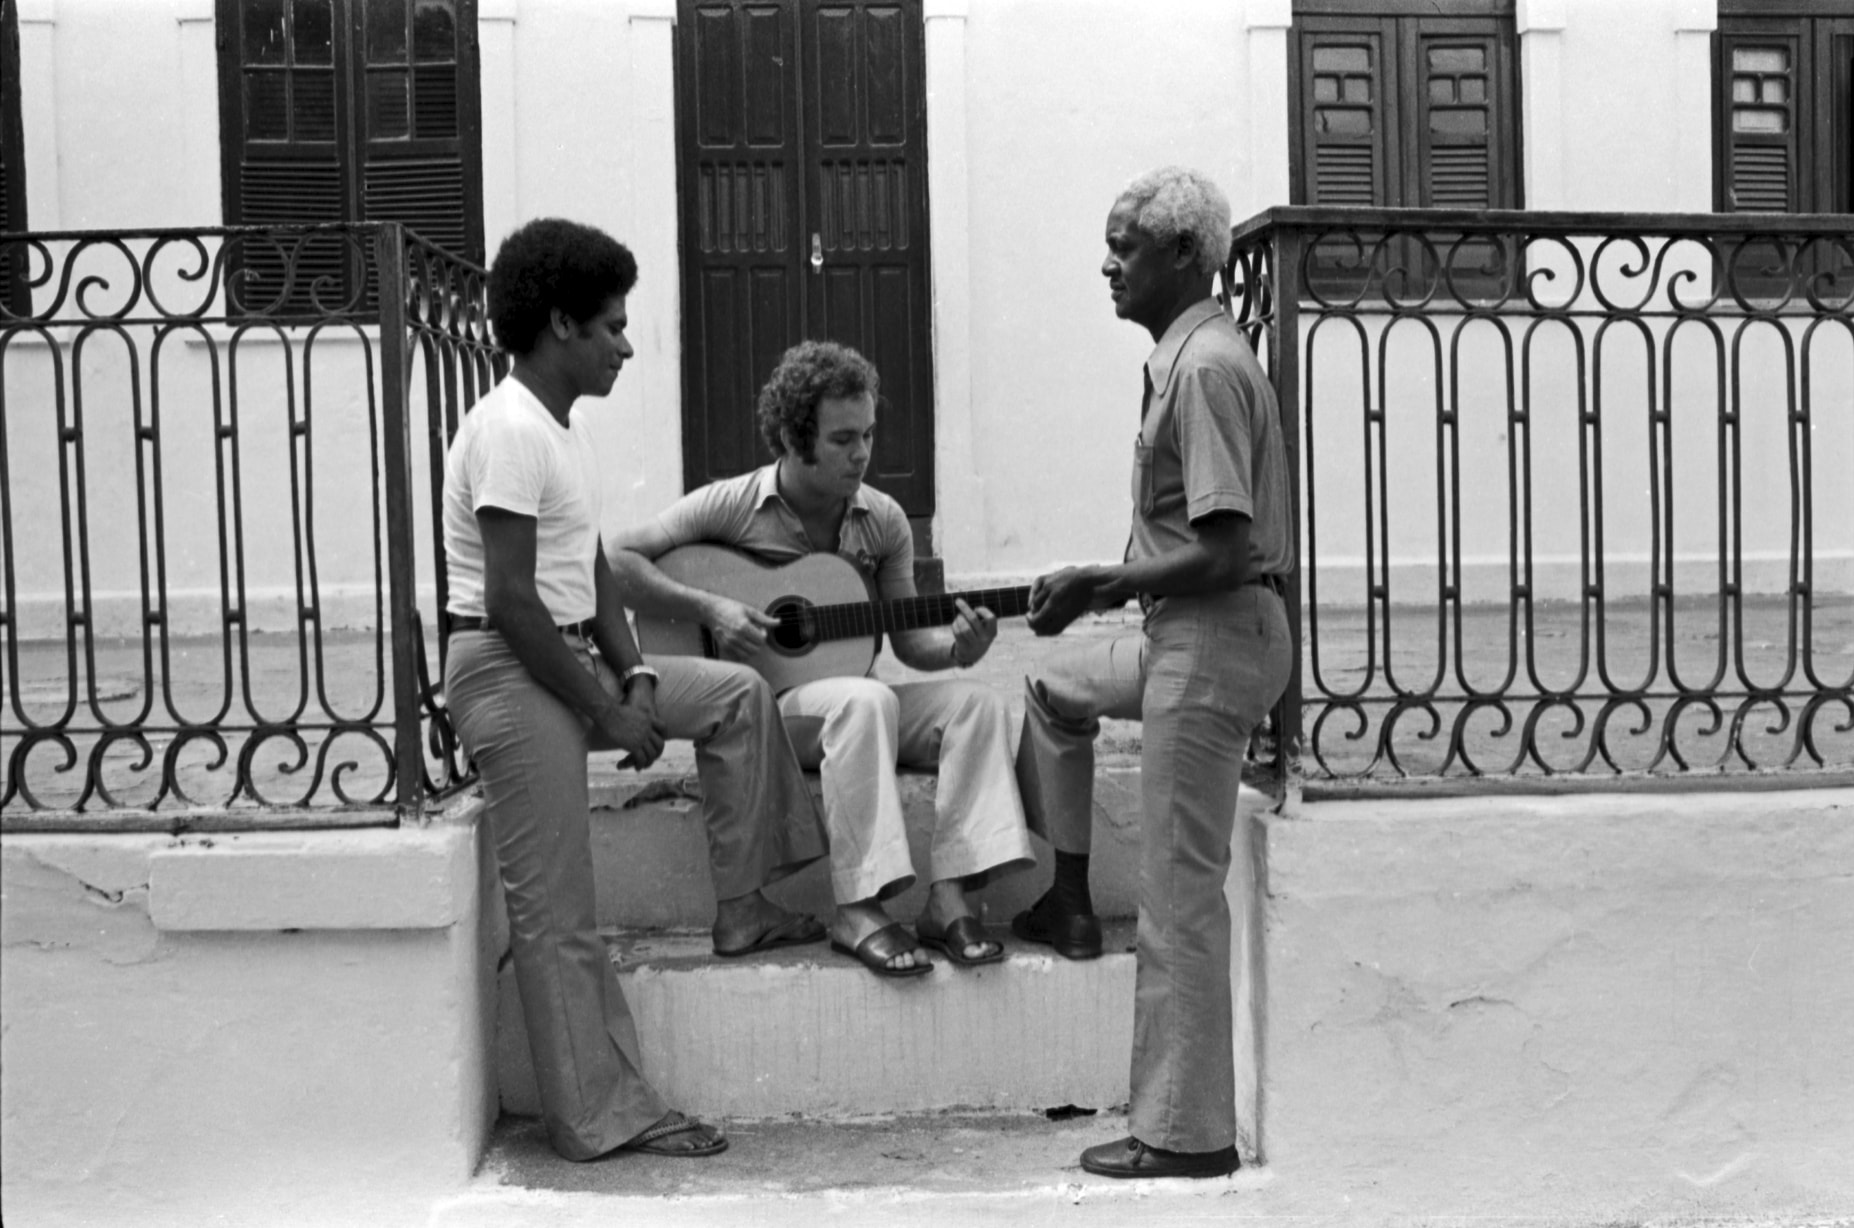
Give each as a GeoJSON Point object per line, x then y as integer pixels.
{"type": "Point", "coordinates": [1069, 893]}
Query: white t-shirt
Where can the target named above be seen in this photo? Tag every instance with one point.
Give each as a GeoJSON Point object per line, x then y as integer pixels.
{"type": "Point", "coordinates": [511, 453]}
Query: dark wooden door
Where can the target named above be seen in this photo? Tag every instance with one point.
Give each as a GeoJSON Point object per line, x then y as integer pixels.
{"type": "Point", "coordinates": [802, 132]}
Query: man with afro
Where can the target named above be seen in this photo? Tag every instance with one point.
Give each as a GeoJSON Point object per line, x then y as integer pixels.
{"type": "Point", "coordinates": [541, 668]}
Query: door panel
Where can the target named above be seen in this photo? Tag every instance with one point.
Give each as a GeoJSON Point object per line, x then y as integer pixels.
{"type": "Point", "coordinates": [803, 136]}
{"type": "Point", "coordinates": [866, 149]}
{"type": "Point", "coordinates": [737, 90]}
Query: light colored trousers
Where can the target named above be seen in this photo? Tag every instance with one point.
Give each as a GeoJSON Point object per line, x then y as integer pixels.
{"type": "Point", "coordinates": [1201, 677]}
{"type": "Point", "coordinates": [855, 730]}
{"type": "Point", "coordinates": [530, 750]}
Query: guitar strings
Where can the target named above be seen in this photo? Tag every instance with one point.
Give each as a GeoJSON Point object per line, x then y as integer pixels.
{"type": "Point", "coordinates": [896, 614]}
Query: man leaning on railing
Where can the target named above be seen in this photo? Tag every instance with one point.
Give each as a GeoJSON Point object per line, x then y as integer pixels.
{"type": "Point", "coordinates": [542, 667]}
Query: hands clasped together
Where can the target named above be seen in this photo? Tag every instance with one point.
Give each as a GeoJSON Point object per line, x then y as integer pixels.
{"type": "Point", "coordinates": [632, 724]}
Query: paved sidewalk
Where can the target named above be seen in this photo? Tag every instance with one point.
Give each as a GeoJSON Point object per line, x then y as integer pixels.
{"type": "Point", "coordinates": [1021, 1171]}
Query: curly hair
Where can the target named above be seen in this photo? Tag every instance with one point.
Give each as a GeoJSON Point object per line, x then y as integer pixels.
{"type": "Point", "coordinates": [810, 372]}
{"type": "Point", "coordinates": [1176, 200]}
{"type": "Point", "coordinates": [551, 262]}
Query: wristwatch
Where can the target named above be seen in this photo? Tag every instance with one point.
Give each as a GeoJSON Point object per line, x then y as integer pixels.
{"type": "Point", "coordinates": [634, 673]}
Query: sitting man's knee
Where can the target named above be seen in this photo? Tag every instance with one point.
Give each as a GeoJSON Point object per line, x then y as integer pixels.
{"type": "Point", "coordinates": [744, 679]}
{"type": "Point", "coordinates": [867, 699]}
{"type": "Point", "coordinates": [979, 698]}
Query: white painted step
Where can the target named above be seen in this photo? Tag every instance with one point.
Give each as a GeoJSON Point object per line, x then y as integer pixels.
{"type": "Point", "coordinates": [805, 1030]}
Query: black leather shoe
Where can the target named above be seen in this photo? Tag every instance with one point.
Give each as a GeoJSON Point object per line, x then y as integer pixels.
{"type": "Point", "coordinates": [1128, 1157]}
{"type": "Point", "coordinates": [1075, 935]}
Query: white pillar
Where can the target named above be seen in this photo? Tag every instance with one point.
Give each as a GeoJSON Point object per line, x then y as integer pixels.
{"type": "Point", "coordinates": [1267, 183]}
{"type": "Point", "coordinates": [656, 307]}
{"type": "Point", "coordinates": [198, 86]}
{"type": "Point", "coordinates": [495, 53]}
{"type": "Point", "coordinates": [960, 512]}
{"type": "Point", "coordinates": [38, 111]}
{"type": "Point", "coordinates": [1541, 54]}
{"type": "Point", "coordinates": [1693, 28]}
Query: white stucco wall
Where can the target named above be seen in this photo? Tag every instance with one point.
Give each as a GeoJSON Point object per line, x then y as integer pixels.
{"type": "Point", "coordinates": [121, 123]}
{"type": "Point", "coordinates": [1593, 1007]}
{"type": "Point", "coordinates": [258, 1028]}
{"type": "Point", "coordinates": [1067, 105]}
{"type": "Point", "coordinates": [1617, 103]}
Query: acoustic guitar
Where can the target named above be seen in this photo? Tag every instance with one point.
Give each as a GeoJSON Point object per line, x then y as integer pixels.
{"type": "Point", "coordinates": [830, 623]}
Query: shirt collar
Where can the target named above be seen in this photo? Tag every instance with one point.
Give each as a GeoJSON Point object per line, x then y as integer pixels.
{"type": "Point", "coordinates": [769, 491]}
{"type": "Point", "coordinates": [1165, 354]}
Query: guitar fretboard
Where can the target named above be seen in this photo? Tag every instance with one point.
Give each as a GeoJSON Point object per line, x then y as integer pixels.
{"type": "Point", "coordinates": [866, 618]}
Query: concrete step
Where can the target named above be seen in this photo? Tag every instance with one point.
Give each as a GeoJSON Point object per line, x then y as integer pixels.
{"type": "Point", "coordinates": [805, 1030]}
{"type": "Point", "coordinates": [651, 858]}
{"type": "Point", "coordinates": [1015, 1170]}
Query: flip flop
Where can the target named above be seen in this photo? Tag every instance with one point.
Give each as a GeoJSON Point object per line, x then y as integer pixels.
{"type": "Point", "coordinates": [878, 948]}
{"type": "Point", "coordinates": [673, 1122]}
{"type": "Point", "coordinates": [955, 938]}
{"type": "Point", "coordinates": [795, 931]}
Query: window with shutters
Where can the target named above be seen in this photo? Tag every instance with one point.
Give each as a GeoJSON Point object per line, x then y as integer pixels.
{"type": "Point", "coordinates": [1405, 104]}
{"type": "Point", "coordinates": [1783, 89]}
{"type": "Point", "coordinates": [14, 295]}
{"type": "Point", "coordinates": [347, 111]}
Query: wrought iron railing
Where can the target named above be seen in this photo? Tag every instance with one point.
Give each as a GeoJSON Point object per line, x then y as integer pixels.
{"type": "Point", "coordinates": [1573, 493]}
{"type": "Point", "coordinates": [221, 553]}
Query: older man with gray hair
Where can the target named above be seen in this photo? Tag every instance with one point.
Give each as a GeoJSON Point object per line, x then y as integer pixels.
{"type": "Point", "coordinates": [1208, 550]}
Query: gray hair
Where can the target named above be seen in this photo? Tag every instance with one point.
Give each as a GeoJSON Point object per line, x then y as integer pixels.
{"type": "Point", "coordinates": [1176, 200]}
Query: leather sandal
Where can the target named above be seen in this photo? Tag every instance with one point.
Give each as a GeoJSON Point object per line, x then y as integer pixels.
{"type": "Point", "coordinates": [795, 931]}
{"type": "Point", "coordinates": [874, 951]}
{"type": "Point", "coordinates": [1075, 935]}
{"type": "Point", "coordinates": [952, 941]}
{"type": "Point", "coordinates": [670, 1123]}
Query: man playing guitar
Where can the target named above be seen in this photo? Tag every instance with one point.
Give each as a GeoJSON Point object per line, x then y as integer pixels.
{"type": "Point", "coordinates": [817, 413]}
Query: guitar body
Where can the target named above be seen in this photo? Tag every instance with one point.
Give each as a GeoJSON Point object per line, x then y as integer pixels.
{"type": "Point", "coordinates": [794, 653]}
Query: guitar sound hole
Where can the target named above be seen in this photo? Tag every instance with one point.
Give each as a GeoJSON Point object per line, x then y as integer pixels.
{"type": "Point", "coordinates": [797, 629]}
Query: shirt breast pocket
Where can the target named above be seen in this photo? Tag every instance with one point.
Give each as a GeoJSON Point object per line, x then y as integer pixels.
{"type": "Point", "coordinates": [1145, 498]}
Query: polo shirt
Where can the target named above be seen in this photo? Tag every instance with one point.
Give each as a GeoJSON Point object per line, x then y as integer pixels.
{"type": "Point", "coordinates": [1209, 441]}
{"type": "Point", "coordinates": [748, 512]}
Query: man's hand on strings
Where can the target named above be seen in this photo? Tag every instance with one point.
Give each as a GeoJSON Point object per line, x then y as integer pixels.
{"type": "Point", "coordinates": [739, 630]}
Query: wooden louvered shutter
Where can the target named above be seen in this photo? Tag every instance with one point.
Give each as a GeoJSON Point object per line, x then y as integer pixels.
{"type": "Point", "coordinates": [1348, 142]}
{"type": "Point", "coordinates": [1759, 67]}
{"type": "Point", "coordinates": [1346, 74]}
{"type": "Point", "coordinates": [283, 104]}
{"type": "Point", "coordinates": [1464, 136]}
{"type": "Point", "coordinates": [13, 293]}
{"type": "Point", "coordinates": [1839, 37]}
{"type": "Point", "coordinates": [1418, 110]}
{"type": "Point", "coordinates": [420, 138]}
{"type": "Point", "coordinates": [1466, 127]}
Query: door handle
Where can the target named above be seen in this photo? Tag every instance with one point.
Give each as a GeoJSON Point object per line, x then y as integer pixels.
{"type": "Point", "coordinates": [817, 253]}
